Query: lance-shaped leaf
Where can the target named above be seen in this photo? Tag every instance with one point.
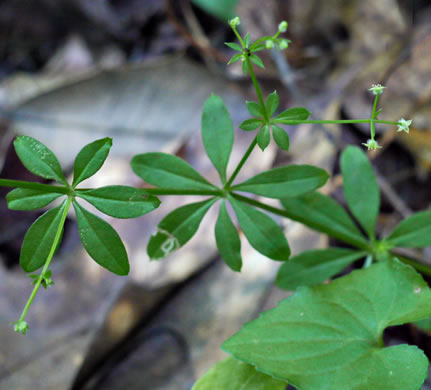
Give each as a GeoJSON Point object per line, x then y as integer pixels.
{"type": "Point", "coordinates": [324, 214]}
{"type": "Point", "coordinates": [413, 232]}
{"type": "Point", "coordinates": [281, 138]}
{"type": "Point", "coordinates": [330, 336]}
{"type": "Point", "coordinates": [293, 114]}
{"type": "Point", "coordinates": [90, 159]}
{"type": "Point", "coordinates": [168, 171]}
{"type": "Point", "coordinates": [261, 231]}
{"type": "Point", "coordinates": [27, 199]}
{"type": "Point", "coordinates": [217, 133]}
{"type": "Point", "coordinates": [39, 239]}
{"type": "Point", "coordinates": [177, 228]}
{"type": "Point", "coordinates": [360, 188]}
{"type": "Point", "coordinates": [38, 159]}
{"type": "Point", "coordinates": [232, 374]}
{"type": "Point", "coordinates": [121, 201]}
{"type": "Point", "coordinates": [272, 103]}
{"type": "Point", "coordinates": [263, 137]}
{"type": "Point", "coordinates": [101, 241]}
{"type": "Point", "coordinates": [283, 182]}
{"type": "Point", "coordinates": [255, 109]}
{"type": "Point", "coordinates": [227, 239]}
{"type": "Point", "coordinates": [251, 124]}
{"type": "Point", "coordinates": [315, 266]}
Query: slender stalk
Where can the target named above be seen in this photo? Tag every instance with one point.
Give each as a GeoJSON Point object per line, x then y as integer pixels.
{"type": "Point", "coordinates": [368, 261]}
{"type": "Point", "coordinates": [373, 116]}
{"type": "Point", "coordinates": [328, 122]}
{"type": "Point", "coordinates": [48, 260]}
{"type": "Point", "coordinates": [257, 88]}
{"type": "Point", "coordinates": [34, 186]}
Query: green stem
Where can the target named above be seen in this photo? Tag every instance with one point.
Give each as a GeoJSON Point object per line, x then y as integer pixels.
{"type": "Point", "coordinates": [328, 122]}
{"type": "Point", "coordinates": [373, 116]}
{"type": "Point", "coordinates": [239, 37]}
{"type": "Point", "coordinates": [257, 88]}
{"type": "Point", "coordinates": [34, 186]}
{"type": "Point", "coordinates": [48, 260]}
{"type": "Point", "coordinates": [241, 163]}
{"type": "Point", "coordinates": [368, 261]}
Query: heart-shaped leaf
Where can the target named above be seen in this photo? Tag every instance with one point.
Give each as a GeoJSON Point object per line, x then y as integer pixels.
{"type": "Point", "coordinates": [413, 232]}
{"type": "Point", "coordinates": [27, 199]}
{"type": "Point", "coordinates": [330, 336]}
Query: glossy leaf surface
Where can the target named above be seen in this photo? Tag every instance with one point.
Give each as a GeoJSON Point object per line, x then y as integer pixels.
{"type": "Point", "coordinates": [27, 199]}
{"type": "Point", "coordinates": [413, 232]}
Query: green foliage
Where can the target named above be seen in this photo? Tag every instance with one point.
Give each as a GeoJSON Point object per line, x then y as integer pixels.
{"type": "Point", "coordinates": [413, 232]}
{"type": "Point", "coordinates": [263, 137]}
{"type": "Point", "coordinates": [281, 138]}
{"type": "Point", "coordinates": [222, 9]}
{"type": "Point", "coordinates": [28, 199]}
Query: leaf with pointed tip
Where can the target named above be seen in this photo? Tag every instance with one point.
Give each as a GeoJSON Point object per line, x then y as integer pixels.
{"type": "Point", "coordinates": [254, 109]}
{"type": "Point", "coordinates": [39, 239]}
{"type": "Point", "coordinates": [315, 266]}
{"type": "Point", "coordinates": [121, 201]}
{"type": "Point", "coordinates": [257, 60]}
{"type": "Point", "coordinates": [360, 188]}
{"type": "Point", "coordinates": [263, 137]}
{"type": "Point", "coordinates": [272, 103]}
{"type": "Point", "coordinates": [329, 337]}
{"type": "Point", "coordinates": [293, 114]}
{"type": "Point", "coordinates": [261, 231]}
{"type": "Point", "coordinates": [283, 182]}
{"type": "Point", "coordinates": [232, 374]}
{"type": "Point", "coordinates": [90, 159]}
{"type": "Point", "coordinates": [281, 138]}
{"type": "Point", "coordinates": [177, 228]}
{"type": "Point", "coordinates": [38, 159]}
{"type": "Point", "coordinates": [235, 58]}
{"type": "Point", "coordinates": [166, 170]}
{"type": "Point", "coordinates": [217, 134]}
{"type": "Point", "coordinates": [324, 214]}
{"type": "Point", "coordinates": [101, 241]}
{"type": "Point", "coordinates": [28, 199]}
{"type": "Point", "coordinates": [251, 124]}
{"type": "Point", "coordinates": [227, 239]}
{"type": "Point", "coordinates": [234, 46]}
{"type": "Point", "coordinates": [413, 232]}
{"type": "Point", "coordinates": [247, 40]}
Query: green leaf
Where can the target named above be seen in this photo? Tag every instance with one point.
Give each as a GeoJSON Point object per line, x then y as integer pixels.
{"type": "Point", "coordinates": [39, 239]}
{"type": "Point", "coordinates": [247, 40]}
{"type": "Point", "coordinates": [315, 266]}
{"type": "Point", "coordinates": [329, 337]}
{"type": "Point", "coordinates": [263, 137]}
{"type": "Point", "coordinates": [121, 201]}
{"type": "Point", "coordinates": [166, 170]}
{"type": "Point", "coordinates": [27, 199]}
{"type": "Point", "coordinates": [90, 159]}
{"type": "Point", "coordinates": [325, 215]}
{"type": "Point", "coordinates": [244, 68]}
{"type": "Point", "coordinates": [281, 138]}
{"type": "Point", "coordinates": [360, 188]}
{"type": "Point", "coordinates": [38, 159]}
{"type": "Point", "coordinates": [234, 46]}
{"type": "Point", "coordinates": [251, 124]}
{"type": "Point", "coordinates": [232, 374]}
{"type": "Point", "coordinates": [222, 9]}
{"type": "Point", "coordinates": [255, 109]}
{"type": "Point", "coordinates": [235, 58]}
{"type": "Point", "coordinates": [101, 241]}
{"type": "Point", "coordinates": [272, 103]}
{"type": "Point", "coordinates": [413, 232]}
{"type": "Point", "coordinates": [261, 231]}
{"type": "Point", "coordinates": [283, 182]}
{"type": "Point", "coordinates": [256, 60]}
{"type": "Point", "coordinates": [177, 228]}
{"type": "Point", "coordinates": [217, 133]}
{"type": "Point", "coordinates": [293, 114]}
{"type": "Point", "coordinates": [227, 239]}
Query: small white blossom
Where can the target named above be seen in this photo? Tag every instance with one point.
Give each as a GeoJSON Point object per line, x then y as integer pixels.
{"type": "Point", "coordinates": [234, 22]}
{"type": "Point", "coordinates": [282, 27]}
{"type": "Point", "coordinates": [403, 125]}
{"type": "Point", "coordinates": [372, 144]}
{"type": "Point", "coordinates": [377, 89]}
{"type": "Point", "coordinates": [269, 44]}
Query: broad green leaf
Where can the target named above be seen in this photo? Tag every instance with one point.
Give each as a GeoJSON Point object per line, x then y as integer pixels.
{"type": "Point", "coordinates": [263, 137]}
{"type": "Point", "coordinates": [227, 239]}
{"type": "Point", "coordinates": [222, 9]}
{"type": "Point", "coordinates": [272, 103]}
{"type": "Point", "coordinates": [413, 232]}
{"type": "Point", "coordinates": [235, 58]}
{"type": "Point", "coordinates": [283, 182]}
{"type": "Point", "coordinates": [234, 46]}
{"type": "Point", "coordinates": [293, 114]}
{"type": "Point", "coordinates": [121, 201]}
{"type": "Point", "coordinates": [177, 228]}
{"type": "Point", "coordinates": [324, 214]}
{"type": "Point", "coordinates": [261, 231]}
{"type": "Point", "coordinates": [424, 324]}
{"type": "Point", "coordinates": [232, 374]}
{"type": "Point", "coordinates": [255, 109]}
{"type": "Point", "coordinates": [251, 124]}
{"type": "Point", "coordinates": [281, 138]}
{"type": "Point", "coordinates": [360, 188]}
{"type": "Point", "coordinates": [166, 170]}
{"type": "Point", "coordinates": [101, 241]}
{"type": "Point", "coordinates": [26, 199]}
{"type": "Point", "coordinates": [39, 239]}
{"type": "Point", "coordinates": [90, 159]}
{"type": "Point", "coordinates": [217, 133]}
{"type": "Point", "coordinates": [315, 266]}
{"type": "Point", "coordinates": [329, 337]}
{"type": "Point", "coordinates": [38, 159]}
{"type": "Point", "coordinates": [257, 60]}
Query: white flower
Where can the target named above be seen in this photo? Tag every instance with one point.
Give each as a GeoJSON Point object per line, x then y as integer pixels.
{"type": "Point", "coordinates": [282, 27]}
{"type": "Point", "coordinates": [372, 144]}
{"type": "Point", "coordinates": [234, 22]}
{"type": "Point", "coordinates": [377, 89]}
{"type": "Point", "coordinates": [403, 125]}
